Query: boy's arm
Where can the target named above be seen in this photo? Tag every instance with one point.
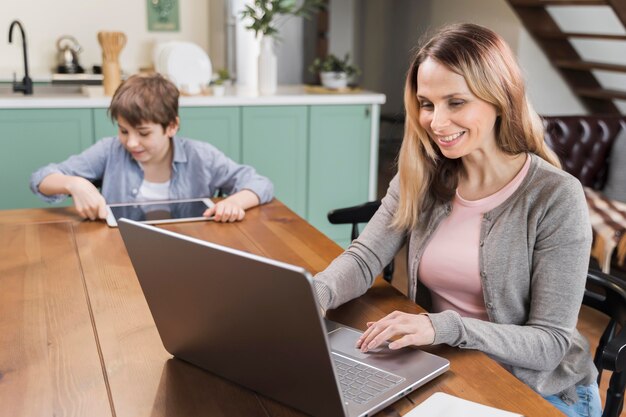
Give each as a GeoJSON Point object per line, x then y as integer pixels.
{"type": "Point", "coordinates": [244, 199]}
{"type": "Point", "coordinates": [89, 164]}
{"type": "Point", "coordinates": [232, 177]}
{"type": "Point", "coordinates": [233, 207]}
{"type": "Point", "coordinates": [87, 199]}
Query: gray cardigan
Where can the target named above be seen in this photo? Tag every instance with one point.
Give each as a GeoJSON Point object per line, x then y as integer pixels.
{"type": "Point", "coordinates": [533, 257]}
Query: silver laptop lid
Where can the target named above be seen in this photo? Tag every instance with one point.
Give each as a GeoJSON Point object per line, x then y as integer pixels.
{"type": "Point", "coordinates": [246, 318]}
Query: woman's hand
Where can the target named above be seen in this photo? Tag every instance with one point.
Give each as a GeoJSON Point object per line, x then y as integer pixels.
{"type": "Point", "coordinates": [409, 329]}
{"type": "Point", "coordinates": [225, 211]}
{"type": "Point", "coordinates": [87, 199]}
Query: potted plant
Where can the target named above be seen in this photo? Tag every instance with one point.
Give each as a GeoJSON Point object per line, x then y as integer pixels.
{"type": "Point", "coordinates": [334, 72]}
{"type": "Point", "coordinates": [264, 17]}
{"type": "Point", "coordinates": [219, 84]}
{"type": "Point", "coordinates": [266, 14]}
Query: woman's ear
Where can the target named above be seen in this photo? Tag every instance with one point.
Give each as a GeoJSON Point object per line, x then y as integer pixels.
{"type": "Point", "coordinates": [172, 129]}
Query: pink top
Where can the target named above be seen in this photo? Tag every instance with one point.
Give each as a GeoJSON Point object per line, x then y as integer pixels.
{"type": "Point", "coordinates": [449, 265]}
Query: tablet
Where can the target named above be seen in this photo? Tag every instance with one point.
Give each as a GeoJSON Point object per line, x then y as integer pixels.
{"type": "Point", "coordinates": [155, 212]}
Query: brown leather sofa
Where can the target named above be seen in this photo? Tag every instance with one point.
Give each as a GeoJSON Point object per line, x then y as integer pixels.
{"type": "Point", "coordinates": [583, 144]}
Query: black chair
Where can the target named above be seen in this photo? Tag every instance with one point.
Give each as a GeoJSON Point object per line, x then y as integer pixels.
{"type": "Point", "coordinates": [607, 294]}
{"type": "Point", "coordinates": [355, 215]}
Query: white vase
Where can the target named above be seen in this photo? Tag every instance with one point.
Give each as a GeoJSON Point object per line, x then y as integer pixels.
{"type": "Point", "coordinates": [268, 68]}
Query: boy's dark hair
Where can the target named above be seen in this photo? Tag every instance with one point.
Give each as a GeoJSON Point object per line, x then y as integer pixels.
{"type": "Point", "coordinates": [145, 98]}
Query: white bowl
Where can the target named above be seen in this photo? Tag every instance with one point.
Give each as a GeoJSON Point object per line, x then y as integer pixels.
{"type": "Point", "coordinates": [334, 80]}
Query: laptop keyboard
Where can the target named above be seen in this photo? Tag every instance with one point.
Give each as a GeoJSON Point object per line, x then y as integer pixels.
{"type": "Point", "coordinates": [360, 383]}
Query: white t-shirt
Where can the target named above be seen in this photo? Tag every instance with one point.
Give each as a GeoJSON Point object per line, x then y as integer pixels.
{"type": "Point", "coordinates": [154, 191]}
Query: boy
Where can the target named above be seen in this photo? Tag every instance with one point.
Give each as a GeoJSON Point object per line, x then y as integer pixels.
{"type": "Point", "coordinates": [148, 162]}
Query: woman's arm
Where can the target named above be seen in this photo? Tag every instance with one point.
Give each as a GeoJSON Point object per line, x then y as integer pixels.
{"type": "Point", "coordinates": [353, 272]}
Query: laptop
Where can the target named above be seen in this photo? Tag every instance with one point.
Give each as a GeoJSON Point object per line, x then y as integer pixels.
{"type": "Point", "coordinates": [256, 322]}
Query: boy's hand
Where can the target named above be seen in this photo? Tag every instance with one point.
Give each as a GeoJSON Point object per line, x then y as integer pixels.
{"type": "Point", "coordinates": [225, 211]}
{"type": "Point", "coordinates": [87, 199]}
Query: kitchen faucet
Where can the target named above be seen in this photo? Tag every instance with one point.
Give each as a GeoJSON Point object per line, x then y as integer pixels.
{"type": "Point", "coordinates": [26, 86]}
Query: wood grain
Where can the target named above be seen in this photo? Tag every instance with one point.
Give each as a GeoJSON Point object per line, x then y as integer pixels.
{"type": "Point", "coordinates": [49, 362]}
{"type": "Point", "coordinates": [50, 365]}
{"type": "Point", "coordinates": [144, 379]}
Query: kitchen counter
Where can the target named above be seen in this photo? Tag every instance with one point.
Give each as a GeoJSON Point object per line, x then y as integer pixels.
{"type": "Point", "coordinates": [319, 150]}
{"type": "Point", "coordinates": [92, 97]}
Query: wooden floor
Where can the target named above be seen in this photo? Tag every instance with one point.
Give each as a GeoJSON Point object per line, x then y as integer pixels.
{"type": "Point", "coordinates": [590, 322]}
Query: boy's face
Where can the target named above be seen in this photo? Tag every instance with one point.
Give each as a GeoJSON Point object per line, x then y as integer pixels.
{"type": "Point", "coordinates": [148, 142]}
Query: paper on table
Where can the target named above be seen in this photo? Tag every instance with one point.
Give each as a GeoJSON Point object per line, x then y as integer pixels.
{"type": "Point", "coordinates": [441, 404]}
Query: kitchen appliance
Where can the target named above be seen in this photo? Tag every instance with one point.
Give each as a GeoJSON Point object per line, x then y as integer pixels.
{"type": "Point", "coordinates": [67, 55]}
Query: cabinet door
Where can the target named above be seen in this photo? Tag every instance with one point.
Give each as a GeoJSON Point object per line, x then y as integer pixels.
{"type": "Point", "coordinates": [339, 158]}
{"type": "Point", "coordinates": [31, 139]}
{"type": "Point", "coordinates": [103, 126]}
{"type": "Point", "coordinates": [217, 125]}
{"type": "Point", "coordinates": [275, 144]}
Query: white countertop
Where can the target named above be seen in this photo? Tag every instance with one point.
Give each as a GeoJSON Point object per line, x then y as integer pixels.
{"type": "Point", "coordinates": [234, 96]}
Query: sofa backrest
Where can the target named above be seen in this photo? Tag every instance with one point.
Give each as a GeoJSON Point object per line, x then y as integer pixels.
{"type": "Point", "coordinates": [583, 144]}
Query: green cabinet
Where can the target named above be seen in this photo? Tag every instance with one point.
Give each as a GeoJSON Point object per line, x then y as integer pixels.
{"type": "Point", "coordinates": [219, 126]}
{"type": "Point", "coordinates": [274, 142]}
{"type": "Point", "coordinates": [317, 156]}
{"type": "Point", "coordinates": [32, 138]}
{"type": "Point", "coordinates": [339, 158]}
{"type": "Point", "coordinates": [102, 126]}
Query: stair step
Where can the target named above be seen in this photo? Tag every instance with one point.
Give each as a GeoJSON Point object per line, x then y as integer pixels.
{"type": "Point", "coordinates": [567, 35]}
{"type": "Point", "coordinates": [601, 93]}
{"type": "Point", "coordinates": [589, 65]}
{"type": "Point", "coordinates": [541, 3]}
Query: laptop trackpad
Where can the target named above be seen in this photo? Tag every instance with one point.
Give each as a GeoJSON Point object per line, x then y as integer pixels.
{"type": "Point", "coordinates": [343, 340]}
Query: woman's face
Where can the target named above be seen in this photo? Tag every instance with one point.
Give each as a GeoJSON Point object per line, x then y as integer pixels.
{"type": "Point", "coordinates": [457, 121]}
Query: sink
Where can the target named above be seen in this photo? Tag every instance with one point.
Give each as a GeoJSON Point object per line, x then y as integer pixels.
{"type": "Point", "coordinates": [45, 91]}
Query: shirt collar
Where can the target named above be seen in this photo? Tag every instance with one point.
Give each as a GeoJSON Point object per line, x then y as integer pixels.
{"type": "Point", "coordinates": [180, 156]}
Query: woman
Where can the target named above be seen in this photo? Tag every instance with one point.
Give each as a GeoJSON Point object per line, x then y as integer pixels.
{"type": "Point", "coordinates": [498, 235]}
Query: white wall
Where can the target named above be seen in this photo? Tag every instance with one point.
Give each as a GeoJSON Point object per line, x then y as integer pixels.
{"type": "Point", "coordinates": [46, 20]}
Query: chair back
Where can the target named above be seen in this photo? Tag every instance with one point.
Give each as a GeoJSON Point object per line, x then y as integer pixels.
{"type": "Point", "coordinates": [607, 294]}
{"type": "Point", "coordinates": [583, 144]}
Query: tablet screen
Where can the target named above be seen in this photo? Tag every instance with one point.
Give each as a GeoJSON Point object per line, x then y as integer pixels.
{"type": "Point", "coordinates": [160, 211]}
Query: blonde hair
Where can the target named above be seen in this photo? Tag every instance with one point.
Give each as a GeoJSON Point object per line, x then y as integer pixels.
{"type": "Point", "coordinates": [492, 74]}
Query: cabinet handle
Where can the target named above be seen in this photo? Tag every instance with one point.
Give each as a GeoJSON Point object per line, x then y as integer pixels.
{"type": "Point", "coordinates": [367, 112]}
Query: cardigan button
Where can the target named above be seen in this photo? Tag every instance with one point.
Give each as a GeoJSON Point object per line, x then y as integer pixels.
{"type": "Point", "coordinates": [483, 274]}
{"type": "Point", "coordinates": [489, 306]}
{"type": "Point", "coordinates": [482, 243]}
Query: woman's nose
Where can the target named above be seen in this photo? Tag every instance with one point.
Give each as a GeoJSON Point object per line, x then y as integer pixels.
{"type": "Point", "coordinates": [440, 119]}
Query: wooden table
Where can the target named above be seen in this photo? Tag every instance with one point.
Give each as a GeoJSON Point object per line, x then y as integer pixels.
{"type": "Point", "coordinates": [77, 338]}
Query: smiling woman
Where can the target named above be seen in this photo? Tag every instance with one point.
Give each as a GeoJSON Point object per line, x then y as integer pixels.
{"type": "Point", "coordinates": [498, 236]}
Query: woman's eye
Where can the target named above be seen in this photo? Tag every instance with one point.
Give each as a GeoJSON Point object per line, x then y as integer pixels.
{"type": "Point", "coordinates": [143, 134]}
{"type": "Point", "coordinates": [426, 105]}
{"type": "Point", "coordinates": [456, 103]}
{"type": "Point", "coordinates": [123, 132]}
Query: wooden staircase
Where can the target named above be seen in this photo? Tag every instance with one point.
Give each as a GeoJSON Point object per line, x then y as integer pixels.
{"type": "Point", "coordinates": [555, 43]}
